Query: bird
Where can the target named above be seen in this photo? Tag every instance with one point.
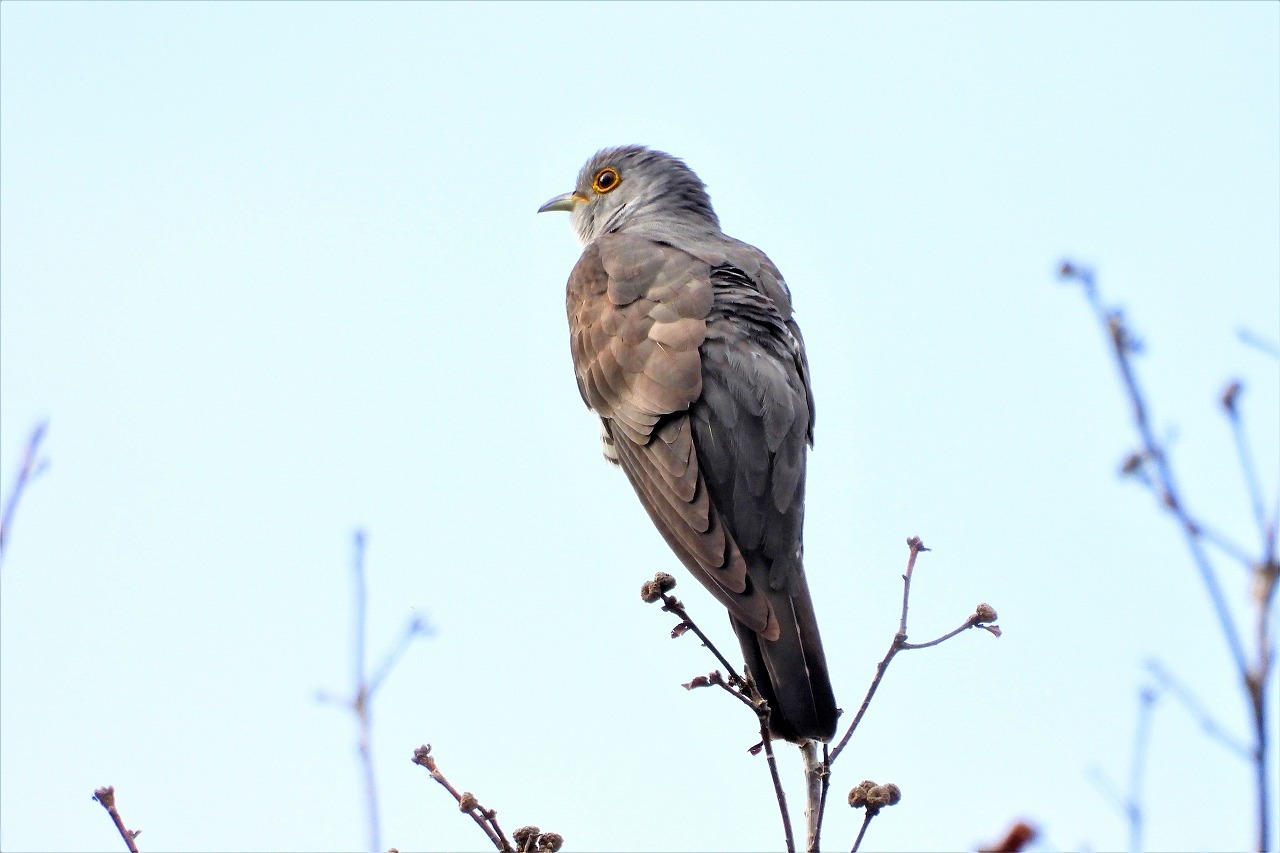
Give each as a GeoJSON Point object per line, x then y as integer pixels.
{"type": "Point", "coordinates": [684, 344]}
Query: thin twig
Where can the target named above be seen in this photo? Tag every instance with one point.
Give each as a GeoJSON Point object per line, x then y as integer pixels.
{"type": "Point", "coordinates": [1138, 767]}
{"type": "Point", "coordinates": [673, 605]}
{"type": "Point", "coordinates": [866, 821]}
{"type": "Point", "coordinates": [1231, 405]}
{"type": "Point", "coordinates": [1122, 347]}
{"type": "Point", "coordinates": [1208, 724]}
{"type": "Point", "coordinates": [362, 695]}
{"type": "Point", "coordinates": [107, 797]}
{"type": "Point", "coordinates": [983, 615]}
{"type": "Point", "coordinates": [27, 471]}
{"type": "Point", "coordinates": [363, 688]}
{"type": "Point", "coordinates": [1129, 805]}
{"type": "Point", "coordinates": [743, 688]}
{"type": "Point", "coordinates": [915, 546]}
{"type": "Point", "coordinates": [486, 819]}
{"type": "Point", "coordinates": [1219, 540]}
{"type": "Point", "coordinates": [1258, 342]}
{"type": "Point", "coordinates": [767, 742]}
{"type": "Point", "coordinates": [415, 627]}
{"type": "Point", "coordinates": [1253, 676]}
{"type": "Point", "coordinates": [826, 786]}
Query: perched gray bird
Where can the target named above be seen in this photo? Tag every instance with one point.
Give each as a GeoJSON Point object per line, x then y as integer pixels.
{"type": "Point", "coordinates": [684, 345]}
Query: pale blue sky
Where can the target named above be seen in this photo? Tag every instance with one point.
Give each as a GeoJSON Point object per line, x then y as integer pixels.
{"type": "Point", "coordinates": [272, 272]}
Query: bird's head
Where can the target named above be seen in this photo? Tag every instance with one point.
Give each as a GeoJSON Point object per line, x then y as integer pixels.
{"type": "Point", "coordinates": [634, 188]}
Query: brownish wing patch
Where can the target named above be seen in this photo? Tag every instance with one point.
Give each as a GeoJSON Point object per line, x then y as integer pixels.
{"type": "Point", "coordinates": [637, 318]}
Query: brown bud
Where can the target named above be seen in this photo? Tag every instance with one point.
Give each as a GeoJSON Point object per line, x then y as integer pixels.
{"type": "Point", "coordinates": [1229, 396]}
{"type": "Point", "coordinates": [467, 801]}
{"type": "Point", "coordinates": [551, 841]}
{"type": "Point", "coordinates": [858, 796]}
{"type": "Point", "coordinates": [525, 837]}
{"type": "Point", "coordinates": [650, 592]}
{"type": "Point", "coordinates": [1066, 270]}
{"type": "Point", "coordinates": [1263, 586]}
{"type": "Point", "coordinates": [983, 614]}
{"type": "Point", "coordinates": [915, 544]}
{"type": "Point", "coordinates": [422, 755]}
{"type": "Point", "coordinates": [877, 798]}
{"type": "Point", "coordinates": [106, 796]}
{"type": "Point", "coordinates": [665, 582]}
{"type": "Point", "coordinates": [1132, 464]}
{"type": "Point", "coordinates": [895, 793]}
{"type": "Point", "coordinates": [700, 681]}
{"type": "Point", "coordinates": [679, 630]}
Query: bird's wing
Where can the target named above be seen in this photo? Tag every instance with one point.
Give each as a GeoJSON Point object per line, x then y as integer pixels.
{"type": "Point", "coordinates": [752, 423]}
{"type": "Point", "coordinates": [638, 317]}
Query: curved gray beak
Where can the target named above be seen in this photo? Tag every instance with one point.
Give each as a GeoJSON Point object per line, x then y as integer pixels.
{"type": "Point", "coordinates": [562, 202]}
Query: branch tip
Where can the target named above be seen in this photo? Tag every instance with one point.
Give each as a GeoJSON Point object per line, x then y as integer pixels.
{"type": "Point", "coordinates": [1230, 395]}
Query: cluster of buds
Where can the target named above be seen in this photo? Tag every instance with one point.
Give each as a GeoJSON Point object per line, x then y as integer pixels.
{"type": "Point", "coordinates": [867, 794]}
{"type": "Point", "coordinates": [653, 590]}
{"type": "Point", "coordinates": [530, 838]}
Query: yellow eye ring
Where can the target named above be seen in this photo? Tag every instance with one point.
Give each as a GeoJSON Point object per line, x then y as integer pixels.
{"type": "Point", "coordinates": [606, 180]}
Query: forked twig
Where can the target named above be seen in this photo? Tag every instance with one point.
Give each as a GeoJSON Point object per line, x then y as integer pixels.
{"type": "Point", "coordinates": [363, 688]}
{"type": "Point", "coordinates": [1254, 674]}
{"type": "Point", "coordinates": [526, 837]}
{"type": "Point", "coordinates": [983, 617]}
{"type": "Point", "coordinates": [1193, 706]}
{"type": "Point", "coordinates": [743, 688]}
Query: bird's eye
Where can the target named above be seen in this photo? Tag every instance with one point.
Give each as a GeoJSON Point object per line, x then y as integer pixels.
{"type": "Point", "coordinates": [606, 180]}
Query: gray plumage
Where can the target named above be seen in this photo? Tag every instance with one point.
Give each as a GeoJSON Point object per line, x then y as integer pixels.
{"type": "Point", "coordinates": [684, 344]}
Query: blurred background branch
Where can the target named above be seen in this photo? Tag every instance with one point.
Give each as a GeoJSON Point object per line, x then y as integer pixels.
{"type": "Point", "coordinates": [1151, 466]}
{"type": "Point", "coordinates": [31, 467]}
{"type": "Point", "coordinates": [365, 688]}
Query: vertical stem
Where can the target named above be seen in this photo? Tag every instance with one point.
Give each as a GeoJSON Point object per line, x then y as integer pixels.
{"type": "Point", "coordinates": [361, 697]}
{"type": "Point", "coordinates": [1258, 693]}
{"type": "Point", "coordinates": [1142, 737]}
{"type": "Point", "coordinates": [814, 772]}
{"type": "Point", "coordinates": [787, 834]}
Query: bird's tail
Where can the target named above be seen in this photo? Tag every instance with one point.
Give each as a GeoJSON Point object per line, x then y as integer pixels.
{"type": "Point", "coordinates": [791, 671]}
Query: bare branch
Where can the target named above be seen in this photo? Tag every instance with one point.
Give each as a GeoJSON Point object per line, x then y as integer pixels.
{"type": "Point", "coordinates": [1254, 675]}
{"type": "Point", "coordinates": [363, 688]}
{"type": "Point", "coordinates": [486, 819]}
{"type": "Point", "coordinates": [744, 689]}
{"type": "Point", "coordinates": [658, 588]}
{"type": "Point", "coordinates": [361, 698]}
{"type": "Point", "coordinates": [27, 471]}
{"type": "Point", "coordinates": [1208, 723]}
{"type": "Point", "coordinates": [107, 797]}
{"type": "Point", "coordinates": [862, 831]}
{"type": "Point", "coordinates": [1253, 339]}
{"type": "Point", "coordinates": [1129, 804]}
{"type": "Point", "coordinates": [1123, 345]}
{"type": "Point", "coordinates": [1231, 406]}
{"type": "Point", "coordinates": [982, 615]}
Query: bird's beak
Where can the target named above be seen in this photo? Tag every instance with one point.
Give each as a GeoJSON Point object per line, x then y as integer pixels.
{"type": "Point", "coordinates": [562, 202]}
